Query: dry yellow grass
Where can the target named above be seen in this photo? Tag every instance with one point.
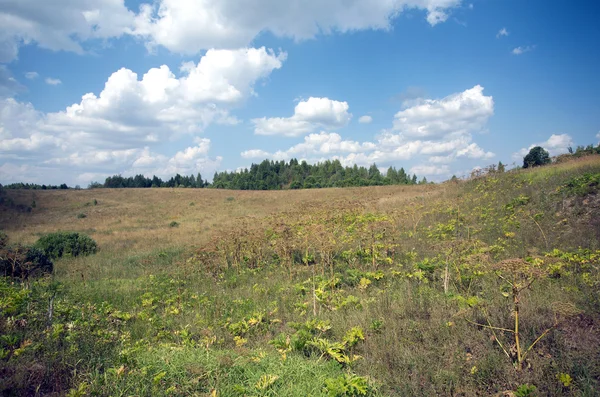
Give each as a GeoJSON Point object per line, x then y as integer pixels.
{"type": "Point", "coordinates": [138, 219]}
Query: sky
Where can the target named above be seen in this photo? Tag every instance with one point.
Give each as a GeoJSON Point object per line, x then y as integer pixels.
{"type": "Point", "coordinates": [93, 88]}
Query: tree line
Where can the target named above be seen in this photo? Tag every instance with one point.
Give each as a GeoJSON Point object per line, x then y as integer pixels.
{"type": "Point", "coordinates": [274, 175]}
{"type": "Point", "coordinates": [277, 175]}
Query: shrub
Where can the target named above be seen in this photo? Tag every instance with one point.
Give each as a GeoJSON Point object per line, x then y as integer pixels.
{"type": "Point", "coordinates": [81, 215]}
{"type": "Point", "coordinates": [173, 224]}
{"type": "Point", "coordinates": [3, 240]}
{"type": "Point", "coordinates": [56, 245]}
{"type": "Point", "coordinates": [24, 262]}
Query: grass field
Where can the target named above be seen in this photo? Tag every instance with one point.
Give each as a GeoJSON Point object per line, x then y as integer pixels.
{"type": "Point", "coordinates": [481, 287]}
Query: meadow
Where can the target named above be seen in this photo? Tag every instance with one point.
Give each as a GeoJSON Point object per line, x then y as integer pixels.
{"type": "Point", "coordinates": [488, 286]}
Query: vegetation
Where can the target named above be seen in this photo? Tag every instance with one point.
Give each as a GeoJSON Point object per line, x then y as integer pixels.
{"type": "Point", "coordinates": [537, 156]}
{"type": "Point", "coordinates": [481, 287]}
{"type": "Point", "coordinates": [276, 175]}
{"type": "Point", "coordinates": [18, 261]}
{"type": "Point", "coordinates": [57, 245]}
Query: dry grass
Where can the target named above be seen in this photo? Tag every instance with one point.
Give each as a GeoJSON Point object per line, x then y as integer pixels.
{"type": "Point", "coordinates": [138, 219]}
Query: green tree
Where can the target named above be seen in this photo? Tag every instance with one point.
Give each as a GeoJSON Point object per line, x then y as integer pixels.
{"type": "Point", "coordinates": [537, 156]}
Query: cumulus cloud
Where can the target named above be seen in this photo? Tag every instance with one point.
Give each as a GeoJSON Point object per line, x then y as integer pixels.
{"type": "Point", "coordinates": [598, 135]}
{"type": "Point", "coordinates": [440, 129]}
{"type": "Point", "coordinates": [255, 154]}
{"type": "Point", "coordinates": [523, 49]}
{"type": "Point", "coordinates": [456, 114]}
{"type": "Point", "coordinates": [555, 145]}
{"type": "Point", "coordinates": [365, 119]}
{"type": "Point", "coordinates": [430, 170]}
{"type": "Point", "coordinates": [189, 26]}
{"type": "Point", "coordinates": [308, 116]}
{"type": "Point", "coordinates": [502, 32]}
{"type": "Point", "coordinates": [51, 81]}
{"type": "Point", "coordinates": [123, 126]}
{"type": "Point", "coordinates": [60, 25]}
{"type": "Point", "coordinates": [32, 75]}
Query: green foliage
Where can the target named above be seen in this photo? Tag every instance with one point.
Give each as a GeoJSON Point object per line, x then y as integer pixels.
{"type": "Point", "coordinates": [537, 156]}
{"type": "Point", "coordinates": [286, 305]}
{"type": "Point", "coordinates": [81, 215]}
{"type": "Point", "coordinates": [276, 175]}
{"type": "Point", "coordinates": [57, 245]}
{"type": "Point", "coordinates": [526, 390]}
{"type": "Point", "coordinates": [582, 185]}
{"type": "Point", "coordinates": [348, 385]}
{"type": "Point", "coordinates": [174, 224]}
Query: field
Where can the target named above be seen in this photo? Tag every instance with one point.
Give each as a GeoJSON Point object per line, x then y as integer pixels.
{"type": "Point", "coordinates": [482, 287]}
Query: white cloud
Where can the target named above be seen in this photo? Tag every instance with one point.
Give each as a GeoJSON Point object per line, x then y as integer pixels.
{"type": "Point", "coordinates": [189, 26]}
{"type": "Point", "coordinates": [365, 119]}
{"type": "Point", "coordinates": [502, 32]}
{"type": "Point", "coordinates": [441, 129]}
{"type": "Point", "coordinates": [430, 170]}
{"type": "Point", "coordinates": [308, 116]}
{"type": "Point", "coordinates": [320, 144]}
{"type": "Point", "coordinates": [51, 81]}
{"type": "Point", "coordinates": [555, 145]}
{"type": "Point", "coordinates": [123, 126]}
{"type": "Point", "coordinates": [32, 75]}
{"type": "Point", "coordinates": [255, 154]}
{"type": "Point", "coordinates": [598, 135]}
{"type": "Point", "coordinates": [455, 114]}
{"type": "Point", "coordinates": [61, 24]}
{"type": "Point", "coordinates": [523, 49]}
{"type": "Point", "coordinates": [475, 152]}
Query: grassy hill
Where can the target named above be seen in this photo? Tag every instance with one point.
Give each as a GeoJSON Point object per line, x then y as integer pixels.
{"type": "Point", "coordinates": [480, 287]}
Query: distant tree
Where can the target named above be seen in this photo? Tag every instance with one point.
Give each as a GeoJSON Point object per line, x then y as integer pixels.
{"type": "Point", "coordinates": [537, 156]}
{"type": "Point", "coordinates": [501, 167]}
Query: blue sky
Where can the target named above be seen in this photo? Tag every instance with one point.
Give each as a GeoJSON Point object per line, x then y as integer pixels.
{"type": "Point", "coordinates": [93, 88]}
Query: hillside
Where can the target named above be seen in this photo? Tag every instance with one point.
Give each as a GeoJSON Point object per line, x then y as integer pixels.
{"type": "Point", "coordinates": [383, 290]}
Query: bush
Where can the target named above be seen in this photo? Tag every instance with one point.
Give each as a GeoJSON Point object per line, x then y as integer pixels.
{"type": "Point", "coordinates": [173, 224]}
{"type": "Point", "coordinates": [56, 245]}
{"type": "Point", "coordinates": [81, 215]}
{"type": "Point", "coordinates": [24, 262]}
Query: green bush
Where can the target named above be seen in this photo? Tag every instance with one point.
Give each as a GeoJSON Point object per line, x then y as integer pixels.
{"type": "Point", "coordinates": [56, 245]}
{"type": "Point", "coordinates": [173, 224]}
{"type": "Point", "coordinates": [81, 216]}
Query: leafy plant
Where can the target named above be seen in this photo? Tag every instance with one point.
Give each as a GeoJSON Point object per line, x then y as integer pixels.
{"type": "Point", "coordinates": [57, 245]}
{"type": "Point", "coordinates": [348, 385]}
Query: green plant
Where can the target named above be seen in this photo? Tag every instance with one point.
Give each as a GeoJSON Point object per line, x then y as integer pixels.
{"type": "Point", "coordinates": [526, 390]}
{"type": "Point", "coordinates": [537, 156]}
{"type": "Point", "coordinates": [520, 275]}
{"type": "Point", "coordinates": [174, 224]}
{"type": "Point", "coordinates": [348, 385]}
{"type": "Point", "coordinates": [60, 244]}
{"type": "Point", "coordinates": [81, 215]}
